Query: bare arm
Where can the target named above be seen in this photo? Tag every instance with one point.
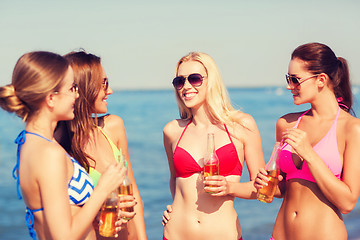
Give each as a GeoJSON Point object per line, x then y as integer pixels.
{"type": "Point", "coordinates": [117, 126]}
{"type": "Point", "coordinates": [168, 145]}
{"type": "Point", "coordinates": [169, 153]}
{"type": "Point", "coordinates": [53, 180]}
{"type": "Point", "coordinates": [343, 194]}
{"type": "Point", "coordinates": [253, 155]}
{"type": "Point", "coordinates": [262, 179]}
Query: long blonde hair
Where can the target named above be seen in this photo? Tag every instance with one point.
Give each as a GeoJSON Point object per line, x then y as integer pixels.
{"type": "Point", "coordinates": [35, 75]}
{"type": "Point", "coordinates": [217, 98]}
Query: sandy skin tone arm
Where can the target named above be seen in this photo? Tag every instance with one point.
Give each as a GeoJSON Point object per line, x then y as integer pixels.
{"type": "Point", "coordinates": [343, 194]}
{"type": "Point", "coordinates": [63, 221]}
{"type": "Point", "coordinates": [250, 138]}
{"type": "Point", "coordinates": [114, 127]}
{"type": "Point", "coordinates": [252, 152]}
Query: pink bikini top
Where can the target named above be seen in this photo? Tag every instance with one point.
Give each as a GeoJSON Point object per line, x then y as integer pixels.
{"type": "Point", "coordinates": [229, 163]}
{"type": "Point", "coordinates": [326, 148]}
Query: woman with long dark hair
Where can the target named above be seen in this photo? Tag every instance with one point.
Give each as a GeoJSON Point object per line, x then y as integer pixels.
{"type": "Point", "coordinates": [319, 158]}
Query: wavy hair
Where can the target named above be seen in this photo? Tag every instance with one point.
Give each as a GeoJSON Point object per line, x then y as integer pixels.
{"type": "Point", "coordinates": [35, 75]}
{"type": "Point", "coordinates": [87, 73]}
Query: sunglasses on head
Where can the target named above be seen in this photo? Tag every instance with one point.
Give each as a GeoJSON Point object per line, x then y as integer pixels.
{"type": "Point", "coordinates": [195, 79]}
{"type": "Point", "coordinates": [297, 81]}
{"type": "Point", "coordinates": [105, 84]}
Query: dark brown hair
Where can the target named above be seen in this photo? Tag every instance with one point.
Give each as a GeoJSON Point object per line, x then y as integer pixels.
{"type": "Point", "coordinates": [319, 58]}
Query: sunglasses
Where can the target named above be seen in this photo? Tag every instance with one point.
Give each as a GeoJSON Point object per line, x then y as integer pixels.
{"type": "Point", "coordinates": [195, 79]}
{"type": "Point", "coordinates": [74, 88]}
{"type": "Point", "coordinates": [105, 84]}
{"type": "Point", "coordinates": [297, 81]}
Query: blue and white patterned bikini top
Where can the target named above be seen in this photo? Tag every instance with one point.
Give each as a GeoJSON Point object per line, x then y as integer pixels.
{"type": "Point", "coordinates": [80, 186]}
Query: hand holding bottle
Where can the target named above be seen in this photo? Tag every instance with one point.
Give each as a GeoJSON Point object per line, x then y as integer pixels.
{"type": "Point", "coordinates": [126, 204]}
{"type": "Point", "coordinates": [125, 189]}
{"type": "Point", "coordinates": [216, 185]}
{"type": "Point", "coordinates": [111, 178]}
{"type": "Point", "coordinates": [109, 215]}
{"type": "Point", "coordinates": [269, 178]}
{"type": "Point", "coordinates": [211, 161]}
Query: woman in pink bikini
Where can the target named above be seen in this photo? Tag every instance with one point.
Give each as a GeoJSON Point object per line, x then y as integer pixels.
{"type": "Point", "coordinates": [205, 107]}
{"type": "Point", "coordinates": [319, 157]}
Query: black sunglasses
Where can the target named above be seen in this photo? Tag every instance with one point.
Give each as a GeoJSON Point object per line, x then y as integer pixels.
{"type": "Point", "coordinates": [105, 84]}
{"type": "Point", "coordinates": [297, 81]}
{"type": "Point", "coordinates": [74, 88]}
{"type": "Point", "coordinates": [195, 79]}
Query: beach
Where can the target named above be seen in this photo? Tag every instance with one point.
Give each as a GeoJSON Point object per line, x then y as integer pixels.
{"type": "Point", "coordinates": [145, 113]}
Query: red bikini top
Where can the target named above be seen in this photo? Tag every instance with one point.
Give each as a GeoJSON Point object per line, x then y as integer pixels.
{"type": "Point", "coordinates": [229, 163]}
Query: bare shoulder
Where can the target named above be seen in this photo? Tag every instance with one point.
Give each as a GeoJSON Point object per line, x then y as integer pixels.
{"type": "Point", "coordinates": [173, 129]}
{"type": "Point", "coordinates": [114, 128]}
{"type": "Point", "coordinates": [43, 150]}
{"type": "Point", "coordinates": [50, 156]}
{"type": "Point", "coordinates": [52, 152]}
{"type": "Point", "coordinates": [352, 126]}
{"type": "Point", "coordinates": [288, 120]}
{"type": "Point", "coordinates": [245, 120]}
{"type": "Point", "coordinates": [113, 122]}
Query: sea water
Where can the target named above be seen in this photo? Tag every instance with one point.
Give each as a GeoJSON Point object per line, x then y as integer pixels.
{"type": "Point", "coordinates": [145, 113]}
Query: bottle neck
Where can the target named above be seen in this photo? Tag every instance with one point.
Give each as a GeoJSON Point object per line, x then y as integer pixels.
{"type": "Point", "coordinates": [210, 143]}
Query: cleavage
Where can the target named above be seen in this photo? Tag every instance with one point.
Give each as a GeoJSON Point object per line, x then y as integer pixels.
{"type": "Point", "coordinates": [298, 162]}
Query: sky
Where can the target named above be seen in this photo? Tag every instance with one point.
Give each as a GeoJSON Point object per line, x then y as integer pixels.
{"type": "Point", "coordinates": [140, 42]}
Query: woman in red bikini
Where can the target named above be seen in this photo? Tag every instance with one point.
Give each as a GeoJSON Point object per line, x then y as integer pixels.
{"type": "Point", "coordinates": [320, 151]}
{"type": "Point", "coordinates": [205, 107]}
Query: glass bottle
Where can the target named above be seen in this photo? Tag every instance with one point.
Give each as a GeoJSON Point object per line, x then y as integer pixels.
{"type": "Point", "coordinates": [109, 215]}
{"type": "Point", "coordinates": [125, 188]}
{"type": "Point", "coordinates": [266, 193]}
{"type": "Point", "coordinates": [211, 160]}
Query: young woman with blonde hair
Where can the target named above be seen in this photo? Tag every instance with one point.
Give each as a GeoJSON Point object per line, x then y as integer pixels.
{"type": "Point", "coordinates": [203, 208]}
{"type": "Point", "coordinates": [59, 195]}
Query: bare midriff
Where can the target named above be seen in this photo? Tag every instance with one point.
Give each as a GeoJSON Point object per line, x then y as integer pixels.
{"type": "Point", "coordinates": [198, 215]}
{"type": "Point", "coordinates": [306, 214]}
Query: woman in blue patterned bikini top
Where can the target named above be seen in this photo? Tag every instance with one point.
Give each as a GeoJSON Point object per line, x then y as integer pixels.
{"type": "Point", "coordinates": [58, 193]}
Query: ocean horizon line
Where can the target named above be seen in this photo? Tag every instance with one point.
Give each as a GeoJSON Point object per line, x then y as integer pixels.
{"type": "Point", "coordinates": [355, 87]}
